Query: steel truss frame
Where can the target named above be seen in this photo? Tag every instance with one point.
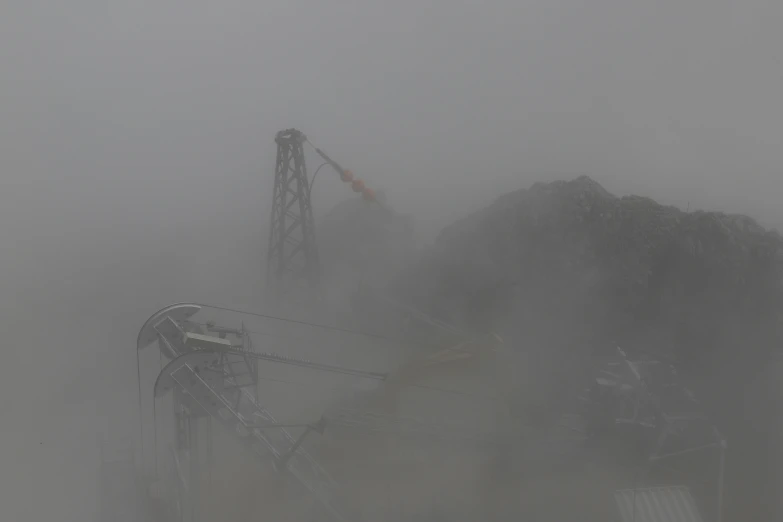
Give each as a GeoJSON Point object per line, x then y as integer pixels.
{"type": "Point", "coordinates": [292, 251]}
{"type": "Point", "coordinates": [212, 374]}
{"type": "Point", "coordinates": [647, 392]}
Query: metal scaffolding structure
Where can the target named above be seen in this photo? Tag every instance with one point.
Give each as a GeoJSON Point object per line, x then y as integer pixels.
{"type": "Point", "coordinates": [212, 373]}
{"type": "Point", "coordinates": [209, 372]}
{"type": "Point", "coordinates": [646, 395]}
{"type": "Point", "coordinates": [292, 251]}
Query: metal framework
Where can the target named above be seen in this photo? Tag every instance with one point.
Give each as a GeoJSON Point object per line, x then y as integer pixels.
{"type": "Point", "coordinates": [213, 378]}
{"type": "Point", "coordinates": [646, 393]}
{"type": "Point", "coordinates": [292, 251]}
{"type": "Point", "coordinates": [210, 370]}
{"type": "Point", "coordinates": [211, 373]}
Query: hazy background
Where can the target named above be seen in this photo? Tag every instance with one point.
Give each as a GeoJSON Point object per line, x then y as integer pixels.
{"type": "Point", "coordinates": [136, 158]}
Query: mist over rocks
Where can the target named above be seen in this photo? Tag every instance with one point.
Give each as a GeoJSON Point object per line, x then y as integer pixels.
{"type": "Point", "coordinates": [566, 271]}
{"type": "Point", "coordinates": [624, 268]}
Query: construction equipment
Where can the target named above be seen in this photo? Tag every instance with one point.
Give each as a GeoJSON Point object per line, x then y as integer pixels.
{"type": "Point", "coordinates": [212, 371]}
{"type": "Point", "coordinates": [645, 394]}
{"type": "Point", "coordinates": [292, 253]}
{"type": "Point", "coordinates": [216, 377]}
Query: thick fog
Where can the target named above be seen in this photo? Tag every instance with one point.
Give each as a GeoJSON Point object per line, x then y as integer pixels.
{"type": "Point", "coordinates": [137, 155]}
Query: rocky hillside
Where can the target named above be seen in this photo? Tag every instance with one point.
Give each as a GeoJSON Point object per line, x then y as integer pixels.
{"type": "Point", "coordinates": [622, 264]}
{"type": "Point", "coordinates": [566, 269]}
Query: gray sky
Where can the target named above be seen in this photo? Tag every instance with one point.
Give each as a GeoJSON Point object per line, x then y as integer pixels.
{"type": "Point", "coordinates": [136, 154]}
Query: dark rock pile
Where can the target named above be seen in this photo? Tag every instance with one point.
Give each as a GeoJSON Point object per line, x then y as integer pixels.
{"type": "Point", "coordinates": [566, 269]}
{"type": "Point", "coordinates": [621, 265]}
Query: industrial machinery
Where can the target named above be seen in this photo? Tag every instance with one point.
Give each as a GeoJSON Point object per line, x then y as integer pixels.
{"type": "Point", "coordinates": [215, 377]}
{"type": "Point", "coordinates": [292, 253]}
{"type": "Point", "coordinates": [209, 373]}
{"type": "Point", "coordinates": [292, 410]}
{"type": "Point", "coordinates": [643, 400]}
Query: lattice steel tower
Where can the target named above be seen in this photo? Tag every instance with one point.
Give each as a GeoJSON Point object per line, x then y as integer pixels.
{"type": "Point", "coordinates": [292, 252]}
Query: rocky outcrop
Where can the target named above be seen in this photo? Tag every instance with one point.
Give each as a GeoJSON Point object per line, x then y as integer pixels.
{"type": "Point", "coordinates": [566, 269]}
{"type": "Point", "coordinates": [618, 266]}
